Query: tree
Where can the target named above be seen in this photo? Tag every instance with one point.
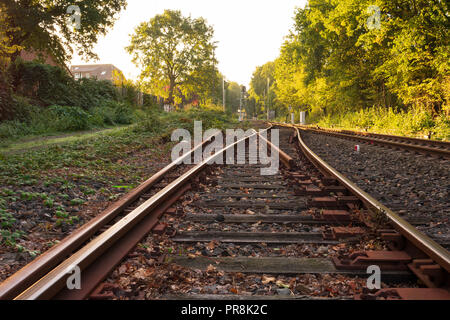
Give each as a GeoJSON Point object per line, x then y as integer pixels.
{"type": "Point", "coordinates": [174, 51]}
{"type": "Point", "coordinates": [43, 25]}
{"type": "Point", "coordinates": [233, 95]}
{"type": "Point", "coordinates": [205, 86]}
{"type": "Point", "coordinates": [290, 76]}
{"type": "Point", "coordinates": [6, 47]}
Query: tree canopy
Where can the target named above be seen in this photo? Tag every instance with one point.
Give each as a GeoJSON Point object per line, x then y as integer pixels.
{"type": "Point", "coordinates": [337, 59]}
{"type": "Point", "coordinates": [43, 26]}
{"type": "Point", "coordinates": [176, 54]}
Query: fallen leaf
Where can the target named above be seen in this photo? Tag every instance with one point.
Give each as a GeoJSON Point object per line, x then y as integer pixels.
{"type": "Point", "coordinates": [234, 290]}
{"type": "Point", "coordinates": [211, 268]}
{"type": "Point", "coordinates": [122, 269]}
{"type": "Point", "coordinates": [211, 245]}
{"type": "Point", "coordinates": [281, 284]}
{"type": "Point", "coordinates": [266, 279]}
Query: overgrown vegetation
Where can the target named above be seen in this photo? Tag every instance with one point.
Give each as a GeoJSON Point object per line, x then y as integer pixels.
{"type": "Point", "coordinates": [103, 158]}
{"type": "Point", "coordinates": [414, 122]}
{"type": "Point", "coordinates": [47, 100]}
{"type": "Point", "coordinates": [344, 58]}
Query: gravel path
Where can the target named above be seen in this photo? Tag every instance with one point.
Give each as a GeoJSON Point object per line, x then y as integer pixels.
{"type": "Point", "coordinates": [415, 186]}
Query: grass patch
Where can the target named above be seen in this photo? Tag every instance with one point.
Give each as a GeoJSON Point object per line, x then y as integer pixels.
{"type": "Point", "coordinates": [95, 167]}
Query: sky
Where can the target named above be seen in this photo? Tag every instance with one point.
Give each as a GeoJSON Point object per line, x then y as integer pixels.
{"type": "Point", "coordinates": [249, 32]}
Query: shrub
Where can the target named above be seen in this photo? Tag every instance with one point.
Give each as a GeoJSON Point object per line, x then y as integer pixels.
{"type": "Point", "coordinates": [102, 115]}
{"type": "Point", "coordinates": [50, 85]}
{"type": "Point", "coordinates": [70, 118]}
{"type": "Point", "coordinates": [93, 93]}
{"type": "Point", "coordinates": [45, 83]}
{"type": "Point", "coordinates": [6, 102]}
{"type": "Point", "coordinates": [123, 114]}
{"type": "Point", "coordinates": [150, 122]}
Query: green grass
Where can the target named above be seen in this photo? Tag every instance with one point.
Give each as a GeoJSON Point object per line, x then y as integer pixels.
{"type": "Point", "coordinates": [56, 173]}
{"type": "Point", "coordinates": [46, 140]}
{"type": "Point", "coordinates": [41, 122]}
{"type": "Point", "coordinates": [100, 151]}
{"type": "Point", "coordinates": [74, 144]}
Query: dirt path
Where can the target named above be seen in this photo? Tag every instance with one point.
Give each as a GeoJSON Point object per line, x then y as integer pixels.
{"type": "Point", "coordinates": [28, 144]}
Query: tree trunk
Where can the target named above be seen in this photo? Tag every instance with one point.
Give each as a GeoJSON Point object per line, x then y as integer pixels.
{"type": "Point", "coordinates": [171, 89]}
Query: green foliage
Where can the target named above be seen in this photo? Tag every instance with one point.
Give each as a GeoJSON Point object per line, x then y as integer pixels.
{"type": "Point", "coordinates": [10, 237]}
{"type": "Point", "coordinates": [7, 233]}
{"type": "Point", "coordinates": [46, 120]}
{"type": "Point", "coordinates": [48, 85]}
{"type": "Point", "coordinates": [42, 82]}
{"type": "Point", "coordinates": [76, 202]}
{"type": "Point", "coordinates": [42, 25]}
{"type": "Point", "coordinates": [164, 123]}
{"type": "Point", "coordinates": [92, 93]}
{"type": "Point", "coordinates": [414, 122]}
{"type": "Point", "coordinates": [6, 219]}
{"type": "Point", "coordinates": [49, 203]}
{"type": "Point", "coordinates": [70, 118]}
{"type": "Point", "coordinates": [334, 63]}
{"type": "Point", "coordinates": [175, 53]}
{"type": "Point", "coordinates": [233, 96]}
{"type": "Point", "coordinates": [6, 49]}
{"type": "Point", "coordinates": [123, 114]}
{"type": "Point", "coordinates": [151, 122]}
{"type": "Point", "coordinates": [48, 100]}
{"type": "Point", "coordinates": [6, 102]}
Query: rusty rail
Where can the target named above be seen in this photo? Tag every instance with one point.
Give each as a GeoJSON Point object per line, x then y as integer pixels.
{"type": "Point", "coordinates": [436, 252]}
{"type": "Point", "coordinates": [45, 277]}
{"type": "Point", "coordinates": [284, 157]}
{"type": "Point", "coordinates": [30, 273]}
{"type": "Point", "coordinates": [419, 145]}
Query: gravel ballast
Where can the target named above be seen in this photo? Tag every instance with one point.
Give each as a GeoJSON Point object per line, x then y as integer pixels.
{"type": "Point", "coordinates": [414, 186]}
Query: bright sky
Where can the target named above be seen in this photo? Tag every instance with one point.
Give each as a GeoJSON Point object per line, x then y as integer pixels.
{"type": "Point", "coordinates": [249, 32]}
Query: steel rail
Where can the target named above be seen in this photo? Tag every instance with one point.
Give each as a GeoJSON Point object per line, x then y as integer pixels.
{"type": "Point", "coordinates": [285, 158]}
{"type": "Point", "coordinates": [435, 143]}
{"type": "Point", "coordinates": [436, 252]}
{"type": "Point", "coordinates": [30, 273]}
{"type": "Point", "coordinates": [51, 283]}
{"type": "Point", "coordinates": [408, 146]}
{"type": "Point", "coordinates": [418, 141]}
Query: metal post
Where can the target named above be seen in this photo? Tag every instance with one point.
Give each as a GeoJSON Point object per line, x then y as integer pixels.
{"type": "Point", "coordinates": [268, 97]}
{"type": "Point", "coordinates": [223, 92]}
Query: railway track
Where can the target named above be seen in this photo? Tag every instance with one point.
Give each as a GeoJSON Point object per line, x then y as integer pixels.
{"type": "Point", "coordinates": [434, 148]}
{"type": "Point", "coordinates": [227, 232]}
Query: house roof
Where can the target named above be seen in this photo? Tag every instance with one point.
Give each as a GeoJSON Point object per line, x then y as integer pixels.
{"type": "Point", "coordinates": [98, 71]}
{"type": "Point", "coordinates": [93, 68]}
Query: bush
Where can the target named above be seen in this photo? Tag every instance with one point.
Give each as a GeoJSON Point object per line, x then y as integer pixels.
{"type": "Point", "coordinates": [70, 118]}
{"type": "Point", "coordinates": [5, 96]}
{"type": "Point", "coordinates": [123, 114]}
{"type": "Point", "coordinates": [103, 115]}
{"type": "Point", "coordinates": [48, 85]}
{"type": "Point", "coordinates": [150, 122]}
{"type": "Point", "coordinates": [93, 93]}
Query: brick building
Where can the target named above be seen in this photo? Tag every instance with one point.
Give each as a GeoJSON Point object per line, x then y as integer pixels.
{"type": "Point", "coordinates": [98, 71]}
